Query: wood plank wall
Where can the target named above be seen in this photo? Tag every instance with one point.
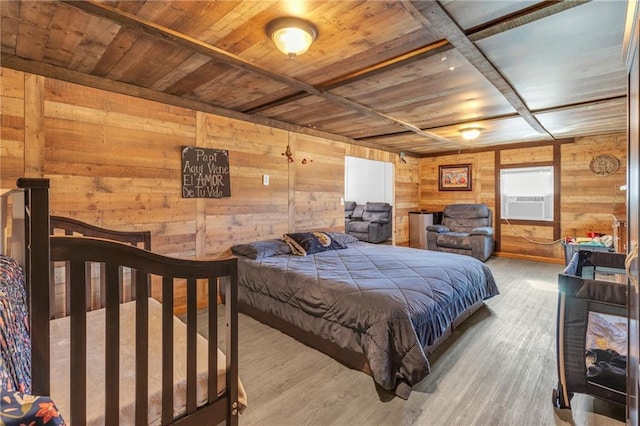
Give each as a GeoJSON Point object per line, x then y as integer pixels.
{"type": "Point", "coordinates": [406, 188]}
{"type": "Point", "coordinates": [113, 160]}
{"type": "Point", "coordinates": [11, 125]}
{"type": "Point", "coordinates": [587, 201]}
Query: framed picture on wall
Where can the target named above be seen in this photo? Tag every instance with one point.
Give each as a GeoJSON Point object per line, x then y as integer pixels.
{"type": "Point", "coordinates": [455, 177]}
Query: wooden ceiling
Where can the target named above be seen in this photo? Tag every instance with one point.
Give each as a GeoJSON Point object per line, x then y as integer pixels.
{"type": "Point", "coordinates": [399, 75]}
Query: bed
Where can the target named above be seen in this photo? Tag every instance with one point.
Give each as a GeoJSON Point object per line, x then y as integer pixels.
{"type": "Point", "coordinates": [117, 337]}
{"type": "Point", "coordinates": [377, 308]}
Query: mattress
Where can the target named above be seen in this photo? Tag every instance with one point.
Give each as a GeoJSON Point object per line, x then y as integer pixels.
{"type": "Point", "coordinates": [60, 368]}
{"type": "Point", "coordinates": [385, 302]}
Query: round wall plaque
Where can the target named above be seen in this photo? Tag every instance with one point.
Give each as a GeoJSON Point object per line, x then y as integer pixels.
{"type": "Point", "coordinates": [604, 165]}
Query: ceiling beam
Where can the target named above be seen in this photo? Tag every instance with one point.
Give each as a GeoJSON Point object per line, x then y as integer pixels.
{"type": "Point", "coordinates": [558, 108]}
{"type": "Point", "coordinates": [502, 147]}
{"type": "Point", "coordinates": [522, 17]}
{"type": "Point", "coordinates": [530, 14]}
{"type": "Point", "coordinates": [433, 14]}
{"type": "Point", "coordinates": [436, 48]}
{"type": "Point", "coordinates": [167, 34]}
{"type": "Point", "coordinates": [429, 50]}
{"type": "Point", "coordinates": [63, 74]}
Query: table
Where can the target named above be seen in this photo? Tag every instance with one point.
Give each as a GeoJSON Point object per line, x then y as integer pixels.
{"type": "Point", "coordinates": [571, 248]}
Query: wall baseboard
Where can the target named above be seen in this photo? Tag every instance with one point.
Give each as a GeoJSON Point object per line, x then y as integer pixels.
{"type": "Point", "coordinates": [527, 257]}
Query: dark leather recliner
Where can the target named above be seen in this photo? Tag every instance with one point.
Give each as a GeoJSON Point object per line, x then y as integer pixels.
{"type": "Point", "coordinates": [374, 226]}
{"type": "Point", "coordinates": [349, 207]}
{"type": "Point", "coordinates": [465, 229]}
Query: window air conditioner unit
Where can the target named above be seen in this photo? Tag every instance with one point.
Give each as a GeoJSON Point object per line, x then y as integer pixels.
{"type": "Point", "coordinates": [532, 207]}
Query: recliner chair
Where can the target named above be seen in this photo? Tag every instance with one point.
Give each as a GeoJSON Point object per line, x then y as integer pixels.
{"type": "Point", "coordinates": [465, 229]}
{"type": "Point", "coordinates": [349, 207]}
{"type": "Point", "coordinates": [375, 224]}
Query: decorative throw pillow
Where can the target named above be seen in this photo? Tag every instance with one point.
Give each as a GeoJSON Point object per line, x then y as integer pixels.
{"type": "Point", "coordinates": [261, 249]}
{"type": "Point", "coordinates": [17, 408]}
{"type": "Point", "coordinates": [342, 238]}
{"type": "Point", "coordinates": [304, 243]}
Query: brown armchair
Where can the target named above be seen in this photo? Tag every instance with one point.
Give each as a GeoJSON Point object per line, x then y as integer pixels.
{"type": "Point", "coordinates": [465, 229]}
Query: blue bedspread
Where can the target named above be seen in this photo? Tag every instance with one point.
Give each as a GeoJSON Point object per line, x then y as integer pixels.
{"type": "Point", "coordinates": [386, 302]}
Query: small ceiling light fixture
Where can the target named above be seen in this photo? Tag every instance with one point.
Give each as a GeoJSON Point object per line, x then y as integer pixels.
{"type": "Point", "coordinates": [470, 133]}
{"type": "Point", "coordinates": [292, 36]}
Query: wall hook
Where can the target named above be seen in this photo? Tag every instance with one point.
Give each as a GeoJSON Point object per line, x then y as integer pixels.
{"type": "Point", "coordinates": [288, 154]}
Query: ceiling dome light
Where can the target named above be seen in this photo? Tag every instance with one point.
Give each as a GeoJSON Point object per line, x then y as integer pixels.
{"type": "Point", "coordinates": [292, 36]}
{"type": "Point", "coordinates": [470, 133]}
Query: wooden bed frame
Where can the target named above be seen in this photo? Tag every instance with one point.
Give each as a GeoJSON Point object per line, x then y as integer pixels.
{"type": "Point", "coordinates": [42, 249]}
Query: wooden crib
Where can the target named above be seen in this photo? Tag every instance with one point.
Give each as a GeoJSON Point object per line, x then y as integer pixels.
{"type": "Point", "coordinates": [189, 397]}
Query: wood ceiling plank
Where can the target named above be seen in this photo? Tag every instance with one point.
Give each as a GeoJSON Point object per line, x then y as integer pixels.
{"type": "Point", "coordinates": [471, 15]}
{"type": "Point", "coordinates": [143, 63]}
{"type": "Point", "coordinates": [169, 35]}
{"type": "Point", "coordinates": [222, 19]}
{"type": "Point", "coordinates": [63, 41]}
{"type": "Point", "coordinates": [117, 49]}
{"type": "Point", "coordinates": [173, 80]}
{"type": "Point", "coordinates": [403, 59]}
{"type": "Point", "coordinates": [234, 88]}
{"type": "Point", "coordinates": [273, 100]}
{"type": "Point", "coordinates": [98, 36]}
{"type": "Point", "coordinates": [33, 31]}
{"type": "Point", "coordinates": [522, 17]}
{"type": "Point", "coordinates": [9, 25]}
{"type": "Point", "coordinates": [393, 52]}
{"type": "Point", "coordinates": [434, 14]}
{"type": "Point", "coordinates": [373, 37]}
{"type": "Point", "coordinates": [430, 93]}
{"type": "Point", "coordinates": [607, 116]}
{"type": "Point", "coordinates": [574, 55]}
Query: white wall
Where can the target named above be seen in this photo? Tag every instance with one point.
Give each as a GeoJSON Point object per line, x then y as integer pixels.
{"type": "Point", "coordinates": [368, 180]}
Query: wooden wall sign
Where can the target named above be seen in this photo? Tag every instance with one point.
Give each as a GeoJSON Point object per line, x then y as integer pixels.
{"type": "Point", "coordinates": [205, 173]}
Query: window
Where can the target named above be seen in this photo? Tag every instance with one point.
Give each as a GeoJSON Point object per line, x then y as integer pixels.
{"type": "Point", "coordinates": [527, 193]}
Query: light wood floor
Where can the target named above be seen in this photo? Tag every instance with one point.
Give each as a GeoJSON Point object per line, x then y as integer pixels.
{"type": "Point", "coordinates": [498, 369]}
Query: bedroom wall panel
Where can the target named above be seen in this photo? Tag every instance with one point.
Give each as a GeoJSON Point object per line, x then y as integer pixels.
{"type": "Point", "coordinates": [317, 182]}
{"type": "Point", "coordinates": [527, 239]}
{"type": "Point", "coordinates": [587, 200]}
{"type": "Point", "coordinates": [254, 211]}
{"type": "Point", "coordinates": [113, 160]}
{"type": "Point", "coordinates": [526, 155]}
{"type": "Point", "coordinates": [406, 186]}
{"type": "Point", "coordinates": [128, 152]}
{"type": "Point", "coordinates": [482, 190]}
{"type": "Point", "coordinates": [11, 127]}
{"type": "Point", "coordinates": [514, 239]}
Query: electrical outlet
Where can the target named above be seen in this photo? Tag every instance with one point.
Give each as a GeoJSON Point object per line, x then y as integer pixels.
{"type": "Point", "coordinates": [265, 180]}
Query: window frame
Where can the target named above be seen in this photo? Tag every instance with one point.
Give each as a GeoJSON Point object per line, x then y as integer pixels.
{"type": "Point", "coordinates": [552, 194]}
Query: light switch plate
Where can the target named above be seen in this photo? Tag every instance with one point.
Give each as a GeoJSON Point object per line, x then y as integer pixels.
{"type": "Point", "coordinates": [265, 179]}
